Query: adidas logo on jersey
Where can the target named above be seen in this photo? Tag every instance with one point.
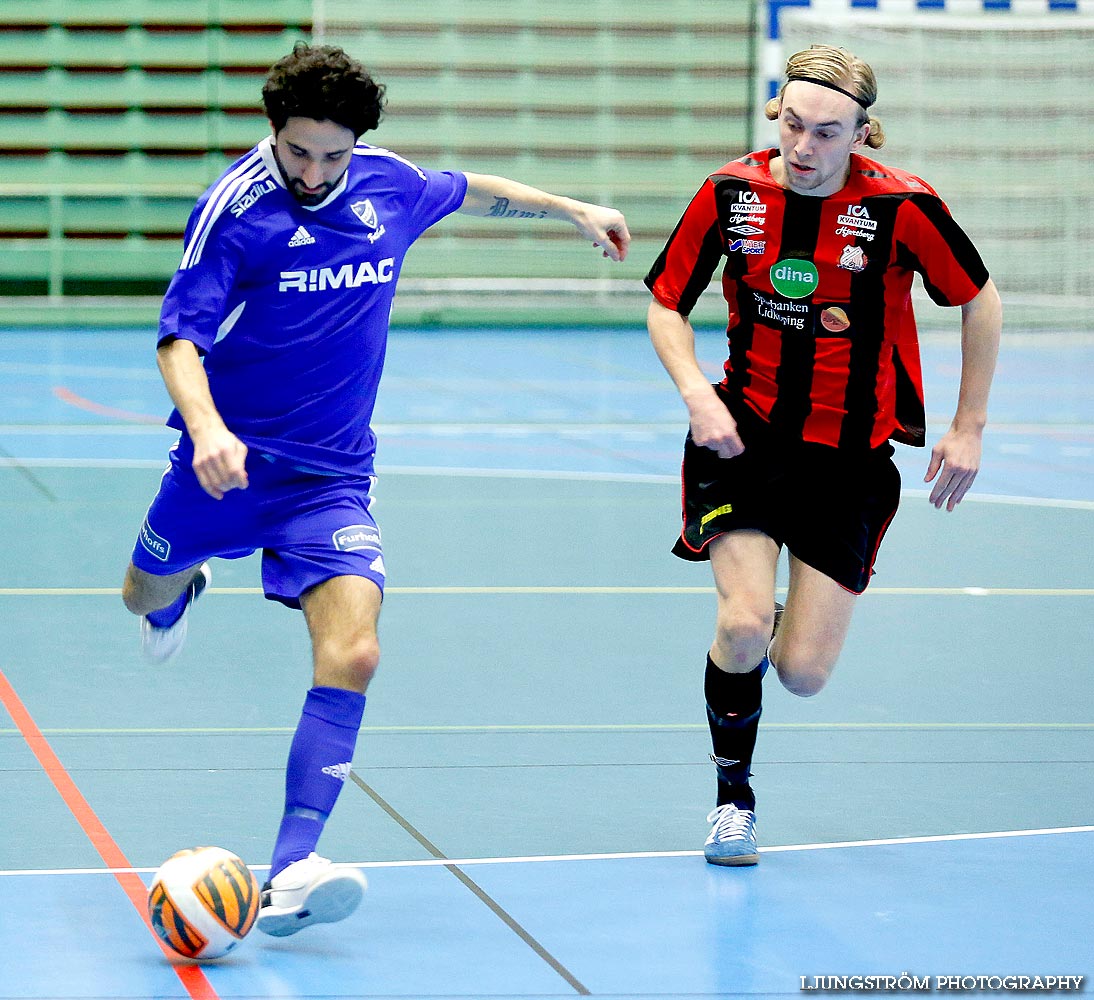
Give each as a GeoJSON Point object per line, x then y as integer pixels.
{"type": "Point", "coordinates": [301, 238]}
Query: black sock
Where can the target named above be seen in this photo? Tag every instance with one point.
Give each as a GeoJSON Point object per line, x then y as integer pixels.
{"type": "Point", "coordinates": [733, 712]}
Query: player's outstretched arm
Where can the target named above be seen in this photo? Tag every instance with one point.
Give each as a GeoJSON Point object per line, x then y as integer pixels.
{"type": "Point", "coordinates": [500, 198]}
{"type": "Point", "coordinates": [219, 456]}
{"type": "Point", "coordinates": [955, 460]}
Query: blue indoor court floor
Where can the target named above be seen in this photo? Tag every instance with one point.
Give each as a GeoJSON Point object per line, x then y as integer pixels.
{"type": "Point", "coordinates": [528, 794]}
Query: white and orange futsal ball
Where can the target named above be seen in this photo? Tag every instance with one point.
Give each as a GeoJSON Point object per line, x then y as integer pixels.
{"type": "Point", "coordinates": [202, 902]}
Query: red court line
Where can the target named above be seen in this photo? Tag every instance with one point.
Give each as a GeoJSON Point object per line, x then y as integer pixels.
{"type": "Point", "coordinates": [68, 396]}
{"type": "Point", "coordinates": [191, 976]}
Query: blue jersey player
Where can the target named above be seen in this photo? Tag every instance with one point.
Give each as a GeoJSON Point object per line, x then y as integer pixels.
{"type": "Point", "coordinates": [271, 344]}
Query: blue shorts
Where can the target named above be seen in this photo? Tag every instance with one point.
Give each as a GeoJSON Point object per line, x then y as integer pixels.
{"type": "Point", "coordinates": [309, 527]}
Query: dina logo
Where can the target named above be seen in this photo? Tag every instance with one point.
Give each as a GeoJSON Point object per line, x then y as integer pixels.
{"type": "Point", "coordinates": [794, 279]}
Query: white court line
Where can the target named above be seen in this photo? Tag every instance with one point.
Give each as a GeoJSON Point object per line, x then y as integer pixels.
{"type": "Point", "coordinates": [543, 426]}
{"type": "Point", "coordinates": [94, 430]}
{"type": "Point", "coordinates": [567, 728]}
{"type": "Point", "coordinates": [623, 856]}
{"type": "Point", "coordinates": [499, 591]}
{"type": "Point", "coordinates": [485, 473]}
{"type": "Point", "coordinates": [1016, 501]}
{"type": "Point", "coordinates": [145, 373]}
{"type": "Point", "coordinates": [84, 463]}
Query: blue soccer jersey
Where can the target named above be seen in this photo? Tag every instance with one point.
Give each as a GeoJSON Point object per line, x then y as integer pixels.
{"type": "Point", "coordinates": [290, 303]}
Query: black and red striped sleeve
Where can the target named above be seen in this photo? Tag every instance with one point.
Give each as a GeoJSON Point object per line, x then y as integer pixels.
{"type": "Point", "coordinates": [935, 246]}
{"type": "Point", "coordinates": [684, 268]}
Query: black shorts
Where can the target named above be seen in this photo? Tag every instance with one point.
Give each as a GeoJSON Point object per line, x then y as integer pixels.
{"type": "Point", "coordinates": [829, 508]}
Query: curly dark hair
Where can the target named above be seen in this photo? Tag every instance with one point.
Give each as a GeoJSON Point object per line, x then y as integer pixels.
{"type": "Point", "coordinates": [323, 83]}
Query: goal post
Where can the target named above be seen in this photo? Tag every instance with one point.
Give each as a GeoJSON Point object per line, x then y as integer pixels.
{"type": "Point", "coordinates": [995, 110]}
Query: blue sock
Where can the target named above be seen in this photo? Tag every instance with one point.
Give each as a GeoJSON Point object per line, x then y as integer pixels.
{"type": "Point", "coordinates": [319, 762]}
{"type": "Point", "coordinates": [166, 617]}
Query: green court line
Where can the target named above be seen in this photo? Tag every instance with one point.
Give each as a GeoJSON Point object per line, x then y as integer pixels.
{"type": "Point", "coordinates": [563, 728]}
{"type": "Point", "coordinates": [587, 591]}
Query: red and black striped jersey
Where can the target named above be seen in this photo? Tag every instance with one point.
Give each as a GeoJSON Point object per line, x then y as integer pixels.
{"type": "Point", "coordinates": [822, 338]}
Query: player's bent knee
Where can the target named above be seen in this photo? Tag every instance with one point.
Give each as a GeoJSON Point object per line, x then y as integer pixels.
{"type": "Point", "coordinates": [803, 677]}
{"type": "Point", "coordinates": [143, 593]}
{"type": "Point", "coordinates": [803, 685]}
{"type": "Point", "coordinates": [132, 602]}
{"type": "Point", "coordinates": [350, 664]}
{"type": "Point", "coordinates": [365, 658]}
{"type": "Point", "coordinates": [137, 599]}
{"type": "Point", "coordinates": [742, 638]}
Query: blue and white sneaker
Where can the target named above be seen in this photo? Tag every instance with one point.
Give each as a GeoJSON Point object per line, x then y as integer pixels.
{"type": "Point", "coordinates": [311, 891]}
{"type": "Point", "coordinates": [732, 839]}
{"type": "Point", "coordinates": [162, 645]}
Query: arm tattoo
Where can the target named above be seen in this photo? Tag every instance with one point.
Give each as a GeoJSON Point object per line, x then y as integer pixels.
{"type": "Point", "coordinates": [501, 210]}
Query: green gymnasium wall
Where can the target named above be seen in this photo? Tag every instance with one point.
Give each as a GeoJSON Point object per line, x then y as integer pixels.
{"type": "Point", "coordinates": [117, 113]}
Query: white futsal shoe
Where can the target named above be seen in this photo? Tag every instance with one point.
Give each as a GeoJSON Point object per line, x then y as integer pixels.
{"type": "Point", "coordinates": [311, 891]}
{"type": "Point", "coordinates": [732, 839]}
{"type": "Point", "coordinates": [162, 645]}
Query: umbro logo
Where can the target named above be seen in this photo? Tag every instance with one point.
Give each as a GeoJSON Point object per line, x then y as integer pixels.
{"type": "Point", "coordinates": [339, 771]}
{"type": "Point", "coordinates": [301, 238]}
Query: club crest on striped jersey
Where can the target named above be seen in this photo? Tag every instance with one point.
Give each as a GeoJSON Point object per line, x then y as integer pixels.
{"type": "Point", "coordinates": [853, 258]}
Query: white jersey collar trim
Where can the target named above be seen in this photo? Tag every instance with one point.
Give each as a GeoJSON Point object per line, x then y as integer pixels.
{"type": "Point", "coordinates": [265, 149]}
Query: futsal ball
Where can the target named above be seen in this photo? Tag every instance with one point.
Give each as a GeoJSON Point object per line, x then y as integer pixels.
{"type": "Point", "coordinates": [202, 902]}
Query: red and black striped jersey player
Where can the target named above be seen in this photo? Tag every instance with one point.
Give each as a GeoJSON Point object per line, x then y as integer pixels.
{"type": "Point", "coordinates": [820, 247]}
